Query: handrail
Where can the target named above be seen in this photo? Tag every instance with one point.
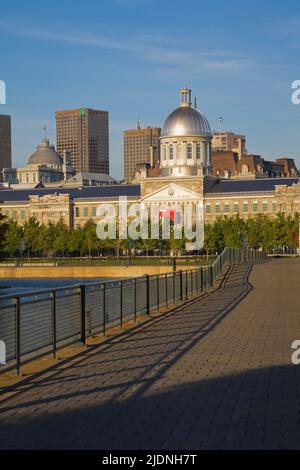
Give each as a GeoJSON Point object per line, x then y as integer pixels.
{"type": "Point", "coordinates": [45, 324]}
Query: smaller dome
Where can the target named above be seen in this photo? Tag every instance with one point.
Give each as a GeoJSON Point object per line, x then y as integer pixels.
{"type": "Point", "coordinates": [45, 155]}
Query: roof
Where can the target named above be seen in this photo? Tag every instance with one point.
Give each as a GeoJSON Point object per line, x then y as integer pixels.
{"type": "Point", "coordinates": [93, 192]}
{"type": "Point", "coordinates": [93, 176]}
{"type": "Point", "coordinates": [45, 154]}
{"type": "Point", "coordinates": [185, 121]}
{"type": "Point", "coordinates": [251, 185]}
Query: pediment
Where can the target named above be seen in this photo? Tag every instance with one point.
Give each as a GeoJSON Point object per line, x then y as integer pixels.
{"type": "Point", "coordinates": [172, 192]}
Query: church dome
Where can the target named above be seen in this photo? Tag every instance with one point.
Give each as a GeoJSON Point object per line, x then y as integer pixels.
{"type": "Point", "coordinates": [186, 120]}
{"type": "Point", "coordinates": [45, 155]}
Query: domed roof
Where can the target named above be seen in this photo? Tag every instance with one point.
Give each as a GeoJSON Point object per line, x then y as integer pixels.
{"type": "Point", "coordinates": [185, 120]}
{"type": "Point", "coordinates": [45, 155]}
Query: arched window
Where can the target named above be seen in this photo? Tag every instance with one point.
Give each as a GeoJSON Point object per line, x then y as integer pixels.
{"type": "Point", "coordinates": [171, 152]}
{"type": "Point", "coordinates": [198, 152]}
{"type": "Point", "coordinates": [189, 151]}
{"type": "Point", "coordinates": [165, 152]}
{"type": "Point", "coordinates": [244, 169]}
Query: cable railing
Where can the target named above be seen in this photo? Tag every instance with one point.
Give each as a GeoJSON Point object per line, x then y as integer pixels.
{"type": "Point", "coordinates": [40, 322]}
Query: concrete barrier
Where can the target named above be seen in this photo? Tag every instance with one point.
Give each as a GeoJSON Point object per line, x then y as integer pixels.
{"type": "Point", "coordinates": [85, 271]}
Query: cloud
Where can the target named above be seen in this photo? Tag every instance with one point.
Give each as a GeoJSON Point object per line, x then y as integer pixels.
{"type": "Point", "coordinates": [152, 48]}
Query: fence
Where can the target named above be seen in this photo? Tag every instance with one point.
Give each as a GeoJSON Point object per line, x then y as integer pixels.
{"type": "Point", "coordinates": [41, 322]}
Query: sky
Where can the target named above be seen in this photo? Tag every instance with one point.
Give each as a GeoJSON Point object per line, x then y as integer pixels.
{"type": "Point", "coordinates": [131, 57]}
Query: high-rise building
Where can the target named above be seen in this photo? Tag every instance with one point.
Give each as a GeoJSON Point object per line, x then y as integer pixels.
{"type": "Point", "coordinates": [5, 142]}
{"type": "Point", "coordinates": [229, 142]}
{"type": "Point", "coordinates": [84, 132]}
{"type": "Point", "coordinates": [141, 145]}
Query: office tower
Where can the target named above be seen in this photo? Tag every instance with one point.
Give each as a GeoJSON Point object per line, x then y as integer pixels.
{"type": "Point", "coordinates": [5, 142]}
{"type": "Point", "coordinates": [84, 132]}
{"type": "Point", "coordinates": [141, 145]}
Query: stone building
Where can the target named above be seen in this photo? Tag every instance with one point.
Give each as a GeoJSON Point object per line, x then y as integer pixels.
{"type": "Point", "coordinates": [183, 179]}
{"type": "Point", "coordinates": [45, 165]}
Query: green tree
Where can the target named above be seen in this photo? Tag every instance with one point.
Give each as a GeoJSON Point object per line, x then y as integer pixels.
{"type": "Point", "coordinates": [12, 237]}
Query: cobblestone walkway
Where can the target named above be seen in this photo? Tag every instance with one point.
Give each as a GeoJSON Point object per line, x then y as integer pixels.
{"type": "Point", "coordinates": [210, 376]}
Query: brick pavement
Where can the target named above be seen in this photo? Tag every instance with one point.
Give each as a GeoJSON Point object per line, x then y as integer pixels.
{"type": "Point", "coordinates": [205, 377]}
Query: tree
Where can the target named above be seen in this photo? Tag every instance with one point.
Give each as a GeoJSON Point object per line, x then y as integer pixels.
{"type": "Point", "coordinates": [12, 237]}
{"type": "Point", "coordinates": [32, 235]}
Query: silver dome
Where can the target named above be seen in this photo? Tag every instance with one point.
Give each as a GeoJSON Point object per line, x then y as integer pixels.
{"type": "Point", "coordinates": [185, 121]}
{"type": "Point", "coordinates": [45, 155]}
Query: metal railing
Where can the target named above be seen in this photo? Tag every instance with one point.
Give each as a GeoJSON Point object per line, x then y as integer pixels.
{"type": "Point", "coordinates": [40, 322]}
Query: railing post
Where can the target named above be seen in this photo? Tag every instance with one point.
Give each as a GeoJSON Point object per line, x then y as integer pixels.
{"type": "Point", "coordinates": [82, 313]}
{"type": "Point", "coordinates": [166, 276]}
{"type": "Point", "coordinates": [18, 336]}
{"type": "Point", "coordinates": [148, 293]}
{"type": "Point", "coordinates": [157, 288]}
{"type": "Point", "coordinates": [53, 311]}
{"type": "Point", "coordinates": [135, 314]}
{"type": "Point", "coordinates": [201, 279]}
{"type": "Point", "coordinates": [181, 286]}
{"type": "Point", "coordinates": [104, 308]}
{"type": "Point", "coordinates": [211, 275]}
{"type": "Point", "coordinates": [174, 285]}
{"type": "Point", "coordinates": [186, 286]}
{"type": "Point", "coordinates": [121, 304]}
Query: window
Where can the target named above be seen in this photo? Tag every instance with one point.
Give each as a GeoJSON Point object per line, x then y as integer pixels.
{"type": "Point", "coordinates": [165, 152]}
{"type": "Point", "coordinates": [255, 206]}
{"type": "Point", "coordinates": [218, 207]}
{"type": "Point", "coordinates": [189, 151]}
{"type": "Point", "coordinates": [226, 207]}
{"type": "Point", "coordinates": [274, 206]}
{"type": "Point", "coordinates": [94, 211]}
{"type": "Point", "coordinates": [77, 212]}
{"type": "Point", "coordinates": [245, 206]}
{"type": "Point", "coordinates": [208, 208]}
{"type": "Point", "coordinates": [236, 207]}
{"type": "Point", "coordinates": [171, 152]}
{"type": "Point", "coordinates": [23, 214]}
{"type": "Point", "coordinates": [265, 206]}
{"type": "Point", "coordinates": [244, 169]}
{"type": "Point", "coordinates": [179, 151]}
{"type": "Point", "coordinates": [198, 152]}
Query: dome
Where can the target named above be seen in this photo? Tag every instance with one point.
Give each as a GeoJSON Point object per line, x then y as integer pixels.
{"type": "Point", "coordinates": [45, 155]}
{"type": "Point", "coordinates": [185, 121]}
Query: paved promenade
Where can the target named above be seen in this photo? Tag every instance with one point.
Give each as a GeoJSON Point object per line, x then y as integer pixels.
{"type": "Point", "coordinates": [216, 374]}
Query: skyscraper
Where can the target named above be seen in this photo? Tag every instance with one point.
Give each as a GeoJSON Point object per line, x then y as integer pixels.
{"type": "Point", "coordinates": [5, 142]}
{"type": "Point", "coordinates": [141, 145]}
{"type": "Point", "coordinates": [84, 132]}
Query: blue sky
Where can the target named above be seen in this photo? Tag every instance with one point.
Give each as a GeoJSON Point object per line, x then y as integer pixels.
{"type": "Point", "coordinates": [128, 56]}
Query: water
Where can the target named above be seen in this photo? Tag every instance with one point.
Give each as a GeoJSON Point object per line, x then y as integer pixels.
{"type": "Point", "coordinates": [19, 286]}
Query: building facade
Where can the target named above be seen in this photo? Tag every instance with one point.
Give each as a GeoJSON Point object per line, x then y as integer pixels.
{"type": "Point", "coordinates": [5, 142]}
{"type": "Point", "coordinates": [44, 166]}
{"type": "Point", "coordinates": [229, 142]}
{"type": "Point", "coordinates": [141, 146]}
{"type": "Point", "coordinates": [84, 133]}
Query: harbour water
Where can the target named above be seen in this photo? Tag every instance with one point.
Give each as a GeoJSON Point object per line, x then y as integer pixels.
{"type": "Point", "coordinates": [18, 286]}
